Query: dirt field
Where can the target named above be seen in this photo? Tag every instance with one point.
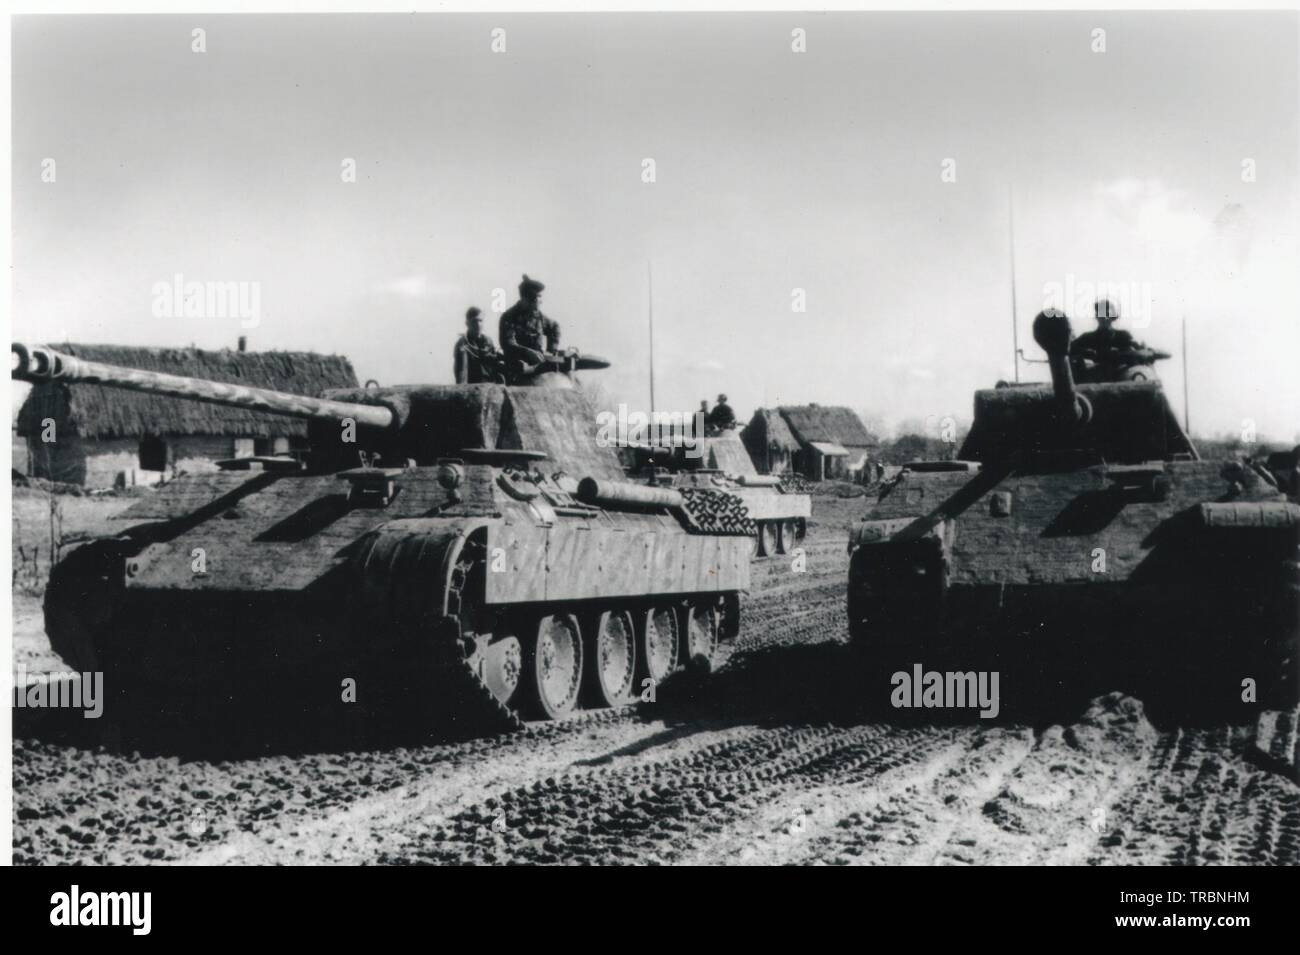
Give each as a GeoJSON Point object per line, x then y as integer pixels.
{"type": "Point", "coordinates": [777, 758]}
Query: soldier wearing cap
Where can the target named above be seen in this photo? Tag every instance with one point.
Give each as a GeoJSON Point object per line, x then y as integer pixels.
{"type": "Point", "coordinates": [527, 334]}
{"type": "Point", "coordinates": [476, 359]}
{"type": "Point", "coordinates": [1105, 340]}
{"type": "Point", "coordinates": [721, 418]}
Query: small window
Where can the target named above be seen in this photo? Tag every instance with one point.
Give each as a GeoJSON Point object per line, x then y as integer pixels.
{"type": "Point", "coordinates": [244, 448]}
{"type": "Point", "coordinates": [272, 445]}
{"type": "Point", "coordinates": [153, 453]}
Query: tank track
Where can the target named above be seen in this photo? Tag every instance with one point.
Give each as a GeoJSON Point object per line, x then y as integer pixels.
{"type": "Point", "coordinates": [435, 682]}
{"type": "Point", "coordinates": [446, 690]}
{"type": "Point", "coordinates": [482, 709]}
{"type": "Point", "coordinates": [471, 708]}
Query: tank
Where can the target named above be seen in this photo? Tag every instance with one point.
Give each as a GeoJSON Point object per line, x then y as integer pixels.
{"type": "Point", "coordinates": [778, 513]}
{"type": "Point", "coordinates": [1080, 528]}
{"type": "Point", "coordinates": [469, 551]}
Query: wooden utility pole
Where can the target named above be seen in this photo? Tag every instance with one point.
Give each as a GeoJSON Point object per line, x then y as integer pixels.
{"type": "Point", "coordinates": [1187, 412]}
{"type": "Point", "coordinates": [1011, 234]}
{"type": "Point", "coordinates": [650, 294]}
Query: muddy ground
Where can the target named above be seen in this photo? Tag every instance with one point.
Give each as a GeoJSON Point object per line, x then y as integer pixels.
{"type": "Point", "coordinates": [781, 756]}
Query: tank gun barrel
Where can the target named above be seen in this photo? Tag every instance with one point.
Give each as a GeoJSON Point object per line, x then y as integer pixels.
{"type": "Point", "coordinates": [1052, 332]}
{"type": "Point", "coordinates": [39, 364]}
{"type": "Point", "coordinates": [1149, 355]}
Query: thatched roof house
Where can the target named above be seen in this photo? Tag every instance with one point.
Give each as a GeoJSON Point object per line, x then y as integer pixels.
{"type": "Point", "coordinates": [818, 441]}
{"type": "Point", "coordinates": [830, 423]}
{"type": "Point", "coordinates": [770, 442]}
{"type": "Point", "coordinates": [104, 436]}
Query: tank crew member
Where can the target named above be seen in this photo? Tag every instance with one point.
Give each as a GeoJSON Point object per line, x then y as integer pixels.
{"type": "Point", "coordinates": [721, 418]}
{"type": "Point", "coordinates": [1104, 341]}
{"type": "Point", "coordinates": [476, 358]}
{"type": "Point", "coordinates": [527, 334]}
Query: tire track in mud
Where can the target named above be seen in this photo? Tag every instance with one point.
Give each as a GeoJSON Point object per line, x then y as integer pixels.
{"type": "Point", "coordinates": [849, 787]}
{"type": "Point", "coordinates": [1004, 795]}
{"type": "Point", "coordinates": [1202, 802]}
{"type": "Point", "coordinates": [82, 806]}
{"type": "Point", "coordinates": [657, 811]}
{"type": "Point", "coordinates": [927, 817]}
{"type": "Point", "coordinates": [424, 798]}
{"type": "Point", "coordinates": [788, 606]}
{"type": "Point", "coordinates": [816, 619]}
{"type": "Point", "coordinates": [1055, 806]}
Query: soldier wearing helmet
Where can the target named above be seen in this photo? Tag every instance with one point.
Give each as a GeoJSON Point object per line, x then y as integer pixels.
{"type": "Point", "coordinates": [526, 334]}
{"type": "Point", "coordinates": [721, 417]}
{"type": "Point", "coordinates": [1105, 341]}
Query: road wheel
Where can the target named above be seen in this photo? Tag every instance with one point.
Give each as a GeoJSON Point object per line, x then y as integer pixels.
{"type": "Point", "coordinates": [500, 665]}
{"type": "Point", "coordinates": [657, 644]}
{"type": "Point", "coordinates": [612, 659]}
{"type": "Point", "coordinates": [553, 665]}
{"type": "Point", "coordinates": [702, 625]}
{"type": "Point", "coordinates": [789, 535]}
{"type": "Point", "coordinates": [768, 535]}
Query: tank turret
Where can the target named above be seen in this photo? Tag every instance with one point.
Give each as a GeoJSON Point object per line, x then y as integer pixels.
{"type": "Point", "coordinates": [391, 426]}
{"type": "Point", "coordinates": [472, 550]}
{"type": "Point", "coordinates": [1066, 423]}
{"type": "Point", "coordinates": [1081, 531]}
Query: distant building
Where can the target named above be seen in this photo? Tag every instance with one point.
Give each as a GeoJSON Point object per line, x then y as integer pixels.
{"type": "Point", "coordinates": [821, 442]}
{"type": "Point", "coordinates": [770, 442]}
{"type": "Point", "coordinates": [110, 436]}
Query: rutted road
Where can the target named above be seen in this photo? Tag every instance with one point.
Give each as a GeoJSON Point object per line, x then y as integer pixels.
{"type": "Point", "coordinates": [775, 759]}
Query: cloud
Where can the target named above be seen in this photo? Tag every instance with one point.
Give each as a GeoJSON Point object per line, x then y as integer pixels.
{"type": "Point", "coordinates": [1153, 210]}
{"type": "Point", "coordinates": [1225, 264]}
{"type": "Point", "coordinates": [415, 287]}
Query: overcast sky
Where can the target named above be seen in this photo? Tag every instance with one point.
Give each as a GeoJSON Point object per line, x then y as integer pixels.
{"type": "Point", "coordinates": [775, 171]}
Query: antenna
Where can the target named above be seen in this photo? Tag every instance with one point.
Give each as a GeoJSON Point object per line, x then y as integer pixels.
{"type": "Point", "coordinates": [650, 296]}
{"type": "Point", "coordinates": [1187, 413]}
{"type": "Point", "coordinates": [1011, 235]}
